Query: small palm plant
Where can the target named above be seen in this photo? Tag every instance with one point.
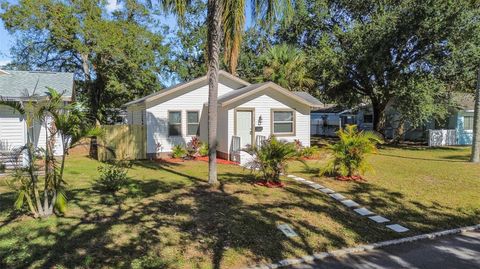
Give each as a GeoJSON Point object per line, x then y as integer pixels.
{"type": "Point", "coordinates": [349, 154]}
{"type": "Point", "coordinates": [271, 158]}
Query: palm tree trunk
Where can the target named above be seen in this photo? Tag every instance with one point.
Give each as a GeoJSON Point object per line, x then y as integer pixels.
{"type": "Point", "coordinates": [475, 158]}
{"type": "Point", "coordinates": [214, 25]}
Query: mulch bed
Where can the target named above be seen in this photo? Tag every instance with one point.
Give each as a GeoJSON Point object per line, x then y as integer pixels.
{"type": "Point", "coordinates": [270, 184]}
{"type": "Point", "coordinates": [202, 159]}
{"type": "Point", "coordinates": [350, 178]}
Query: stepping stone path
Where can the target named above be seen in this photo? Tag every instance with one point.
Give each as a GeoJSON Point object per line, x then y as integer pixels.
{"type": "Point", "coordinates": [351, 204]}
{"type": "Point", "coordinates": [397, 228]}
{"type": "Point", "coordinates": [363, 211]}
{"type": "Point", "coordinates": [379, 219]}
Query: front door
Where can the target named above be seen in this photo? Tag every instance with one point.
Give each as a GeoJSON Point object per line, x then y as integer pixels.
{"type": "Point", "coordinates": [243, 127]}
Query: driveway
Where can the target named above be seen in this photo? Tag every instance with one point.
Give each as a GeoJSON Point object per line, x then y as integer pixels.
{"type": "Point", "coordinates": [455, 251]}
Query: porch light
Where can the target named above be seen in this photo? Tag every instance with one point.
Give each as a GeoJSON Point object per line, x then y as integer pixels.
{"type": "Point", "coordinates": [260, 120]}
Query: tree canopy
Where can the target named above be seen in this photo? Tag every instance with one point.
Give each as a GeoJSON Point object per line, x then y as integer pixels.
{"type": "Point", "coordinates": [114, 56]}
{"type": "Point", "coordinates": [401, 53]}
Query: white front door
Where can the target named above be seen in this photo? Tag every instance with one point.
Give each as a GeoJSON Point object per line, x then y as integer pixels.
{"type": "Point", "coordinates": [243, 127]}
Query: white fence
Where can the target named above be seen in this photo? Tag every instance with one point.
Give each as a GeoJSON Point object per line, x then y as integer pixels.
{"type": "Point", "coordinates": [442, 137]}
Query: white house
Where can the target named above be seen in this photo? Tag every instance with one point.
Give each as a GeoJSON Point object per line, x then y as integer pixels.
{"type": "Point", "coordinates": [24, 86]}
{"type": "Point", "coordinates": [246, 112]}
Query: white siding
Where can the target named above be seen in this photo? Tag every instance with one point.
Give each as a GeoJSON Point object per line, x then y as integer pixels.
{"type": "Point", "coordinates": [12, 128]}
{"type": "Point", "coordinates": [136, 117]}
{"type": "Point", "coordinates": [40, 138]}
{"type": "Point", "coordinates": [263, 106]}
{"type": "Point", "coordinates": [157, 118]}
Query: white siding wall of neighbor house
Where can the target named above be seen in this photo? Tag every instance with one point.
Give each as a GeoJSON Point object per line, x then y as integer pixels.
{"type": "Point", "coordinates": [136, 117]}
{"type": "Point", "coordinates": [263, 106]}
{"type": "Point", "coordinates": [12, 128]}
{"type": "Point", "coordinates": [40, 137]}
{"type": "Point", "coordinates": [157, 118]}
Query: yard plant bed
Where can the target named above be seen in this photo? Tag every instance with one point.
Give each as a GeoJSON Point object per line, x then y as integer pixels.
{"type": "Point", "coordinates": [176, 220]}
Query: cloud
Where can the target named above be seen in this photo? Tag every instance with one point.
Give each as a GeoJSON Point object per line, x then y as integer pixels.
{"type": "Point", "coordinates": [113, 5]}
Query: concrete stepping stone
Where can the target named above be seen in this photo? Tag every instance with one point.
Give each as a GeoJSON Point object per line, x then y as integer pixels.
{"type": "Point", "coordinates": [309, 182]}
{"type": "Point", "coordinates": [397, 228]}
{"type": "Point", "coordinates": [299, 179]}
{"type": "Point", "coordinates": [317, 186]}
{"type": "Point", "coordinates": [379, 219]}
{"type": "Point", "coordinates": [363, 211]}
{"type": "Point", "coordinates": [292, 176]}
{"type": "Point", "coordinates": [327, 190]}
{"type": "Point", "coordinates": [338, 196]}
{"type": "Point", "coordinates": [350, 203]}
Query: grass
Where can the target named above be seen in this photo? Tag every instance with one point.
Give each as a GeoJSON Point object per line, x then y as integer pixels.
{"type": "Point", "coordinates": [176, 220]}
{"type": "Point", "coordinates": [424, 189]}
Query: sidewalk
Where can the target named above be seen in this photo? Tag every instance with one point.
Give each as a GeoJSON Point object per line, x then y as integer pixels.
{"type": "Point", "coordinates": [455, 251]}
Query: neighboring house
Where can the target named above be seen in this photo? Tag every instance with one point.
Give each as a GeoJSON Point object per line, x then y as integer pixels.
{"type": "Point", "coordinates": [246, 113]}
{"type": "Point", "coordinates": [18, 86]}
{"type": "Point", "coordinates": [327, 120]}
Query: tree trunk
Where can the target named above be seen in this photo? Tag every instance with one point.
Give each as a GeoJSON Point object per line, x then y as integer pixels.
{"type": "Point", "coordinates": [214, 25]}
{"type": "Point", "coordinates": [379, 117]}
{"type": "Point", "coordinates": [475, 158]}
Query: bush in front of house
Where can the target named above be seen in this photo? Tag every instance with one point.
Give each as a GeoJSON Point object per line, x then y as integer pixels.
{"type": "Point", "coordinates": [270, 160]}
{"type": "Point", "coordinates": [203, 150]}
{"type": "Point", "coordinates": [309, 152]}
{"type": "Point", "coordinates": [349, 153]}
{"type": "Point", "coordinates": [113, 176]}
{"type": "Point", "coordinates": [178, 151]}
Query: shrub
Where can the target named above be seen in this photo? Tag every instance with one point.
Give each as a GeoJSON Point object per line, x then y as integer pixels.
{"type": "Point", "coordinates": [113, 176]}
{"type": "Point", "coordinates": [349, 154]}
{"type": "Point", "coordinates": [178, 151]}
{"type": "Point", "coordinates": [2, 168]}
{"type": "Point", "coordinates": [203, 150]}
{"type": "Point", "coordinates": [271, 158]}
{"type": "Point", "coordinates": [308, 152]}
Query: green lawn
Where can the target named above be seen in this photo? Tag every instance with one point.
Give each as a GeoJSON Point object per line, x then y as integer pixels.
{"type": "Point", "coordinates": [177, 221]}
{"type": "Point", "coordinates": [423, 189]}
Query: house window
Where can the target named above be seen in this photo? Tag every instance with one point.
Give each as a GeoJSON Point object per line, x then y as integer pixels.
{"type": "Point", "coordinates": [368, 118]}
{"type": "Point", "coordinates": [193, 120]}
{"type": "Point", "coordinates": [283, 122]}
{"type": "Point", "coordinates": [468, 123]}
{"type": "Point", "coordinates": [174, 123]}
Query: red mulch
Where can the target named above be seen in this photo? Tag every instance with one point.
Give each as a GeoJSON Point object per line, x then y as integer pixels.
{"type": "Point", "coordinates": [269, 184]}
{"type": "Point", "coordinates": [350, 178]}
{"type": "Point", "coordinates": [219, 161]}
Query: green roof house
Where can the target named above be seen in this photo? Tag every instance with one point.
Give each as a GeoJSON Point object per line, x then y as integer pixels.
{"type": "Point", "coordinates": [24, 85]}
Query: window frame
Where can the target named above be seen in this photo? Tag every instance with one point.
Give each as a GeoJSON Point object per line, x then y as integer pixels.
{"type": "Point", "coordinates": [181, 123]}
{"type": "Point", "coordinates": [464, 121]}
{"type": "Point", "coordinates": [197, 123]}
{"type": "Point", "coordinates": [293, 122]}
{"type": "Point", "coordinates": [368, 115]}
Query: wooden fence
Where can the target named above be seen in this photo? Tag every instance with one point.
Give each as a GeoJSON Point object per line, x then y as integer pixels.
{"type": "Point", "coordinates": [122, 142]}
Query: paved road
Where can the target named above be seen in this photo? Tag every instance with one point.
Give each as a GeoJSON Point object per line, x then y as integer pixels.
{"type": "Point", "coordinates": [450, 252]}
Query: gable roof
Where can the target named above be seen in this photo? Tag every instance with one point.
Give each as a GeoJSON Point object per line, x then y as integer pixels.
{"type": "Point", "coordinates": [239, 94]}
{"type": "Point", "coordinates": [184, 85]}
{"type": "Point", "coordinates": [18, 84]}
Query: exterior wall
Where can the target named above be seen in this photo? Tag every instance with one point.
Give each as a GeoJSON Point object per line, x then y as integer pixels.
{"type": "Point", "coordinates": [464, 137]}
{"type": "Point", "coordinates": [12, 129]}
{"type": "Point", "coordinates": [13, 132]}
{"type": "Point", "coordinates": [263, 106]}
{"type": "Point", "coordinates": [157, 119]}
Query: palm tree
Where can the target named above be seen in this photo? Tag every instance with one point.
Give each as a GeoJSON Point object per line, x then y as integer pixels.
{"type": "Point", "coordinates": [287, 66]}
{"type": "Point", "coordinates": [226, 19]}
{"type": "Point", "coordinates": [476, 124]}
{"type": "Point", "coordinates": [59, 120]}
